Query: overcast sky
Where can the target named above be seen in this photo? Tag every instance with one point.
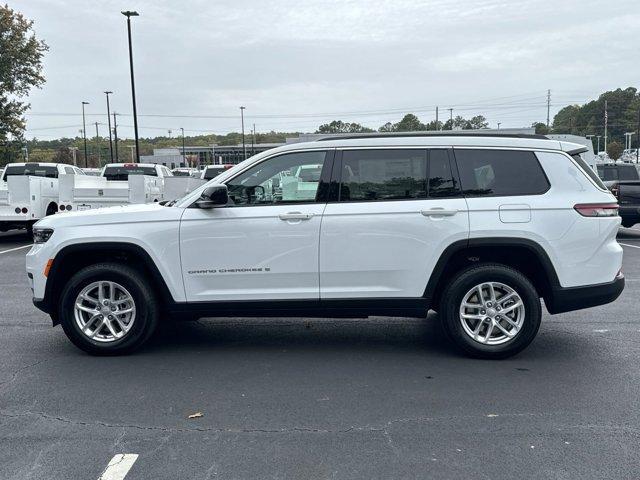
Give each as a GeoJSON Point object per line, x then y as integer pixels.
{"type": "Point", "coordinates": [295, 64]}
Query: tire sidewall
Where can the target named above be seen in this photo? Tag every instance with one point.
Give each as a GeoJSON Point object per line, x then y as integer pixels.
{"type": "Point", "coordinates": [491, 273]}
{"type": "Point", "coordinates": [130, 279]}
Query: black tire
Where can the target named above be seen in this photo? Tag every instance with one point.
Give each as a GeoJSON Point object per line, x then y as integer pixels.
{"type": "Point", "coordinates": [146, 304]}
{"type": "Point", "coordinates": [462, 283]}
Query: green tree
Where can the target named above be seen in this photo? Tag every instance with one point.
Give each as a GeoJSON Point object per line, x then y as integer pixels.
{"type": "Point", "coordinates": [338, 126]}
{"type": "Point", "coordinates": [614, 150]}
{"type": "Point", "coordinates": [387, 127]}
{"type": "Point", "coordinates": [20, 69]}
{"type": "Point", "coordinates": [409, 123]}
{"type": "Point", "coordinates": [541, 128]}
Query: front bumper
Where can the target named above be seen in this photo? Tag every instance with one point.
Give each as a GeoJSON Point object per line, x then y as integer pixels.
{"type": "Point", "coordinates": [576, 298]}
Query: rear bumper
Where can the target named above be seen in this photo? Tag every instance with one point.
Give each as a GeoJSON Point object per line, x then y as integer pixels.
{"type": "Point", "coordinates": [576, 298]}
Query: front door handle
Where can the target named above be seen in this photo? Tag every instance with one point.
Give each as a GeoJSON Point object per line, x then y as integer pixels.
{"type": "Point", "coordinates": [438, 212]}
{"type": "Point", "coordinates": [295, 216]}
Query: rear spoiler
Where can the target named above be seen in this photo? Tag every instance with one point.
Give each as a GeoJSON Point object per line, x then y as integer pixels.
{"type": "Point", "coordinates": [577, 151]}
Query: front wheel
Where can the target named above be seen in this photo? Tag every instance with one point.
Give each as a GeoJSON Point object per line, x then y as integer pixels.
{"type": "Point", "coordinates": [491, 311]}
{"type": "Point", "coordinates": [108, 309]}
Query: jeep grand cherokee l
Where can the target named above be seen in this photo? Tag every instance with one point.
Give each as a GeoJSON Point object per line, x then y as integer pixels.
{"type": "Point", "coordinates": [478, 228]}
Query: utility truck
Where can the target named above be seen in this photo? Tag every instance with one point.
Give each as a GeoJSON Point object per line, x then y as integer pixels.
{"type": "Point", "coordinates": [117, 184]}
{"type": "Point", "coordinates": [29, 192]}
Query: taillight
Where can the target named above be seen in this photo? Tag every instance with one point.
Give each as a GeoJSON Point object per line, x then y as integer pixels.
{"type": "Point", "coordinates": [615, 190]}
{"type": "Point", "coordinates": [597, 209]}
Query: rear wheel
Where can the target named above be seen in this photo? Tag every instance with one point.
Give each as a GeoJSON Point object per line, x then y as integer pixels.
{"type": "Point", "coordinates": [108, 309]}
{"type": "Point", "coordinates": [491, 311]}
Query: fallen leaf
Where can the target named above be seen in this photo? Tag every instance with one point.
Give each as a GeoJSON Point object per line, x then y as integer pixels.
{"type": "Point", "coordinates": [196, 415]}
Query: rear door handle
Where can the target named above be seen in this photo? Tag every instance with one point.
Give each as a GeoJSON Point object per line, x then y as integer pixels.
{"type": "Point", "coordinates": [438, 212]}
{"type": "Point", "coordinates": [295, 216]}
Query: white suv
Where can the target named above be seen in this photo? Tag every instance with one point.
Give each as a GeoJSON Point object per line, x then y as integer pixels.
{"type": "Point", "coordinates": [478, 228]}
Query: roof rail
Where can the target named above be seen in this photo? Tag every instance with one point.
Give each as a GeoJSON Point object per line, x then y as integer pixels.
{"type": "Point", "coordinates": [432, 133]}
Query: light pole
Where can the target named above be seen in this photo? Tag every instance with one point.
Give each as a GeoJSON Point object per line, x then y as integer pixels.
{"type": "Point", "coordinates": [598, 137]}
{"type": "Point", "coordinates": [84, 135]}
{"type": "Point", "coordinates": [98, 145]}
{"type": "Point", "coordinates": [499, 123]}
{"type": "Point", "coordinates": [184, 158]}
{"type": "Point", "coordinates": [130, 14]}
{"type": "Point", "coordinates": [115, 134]}
{"type": "Point", "coordinates": [244, 148]}
{"type": "Point", "coordinates": [109, 124]}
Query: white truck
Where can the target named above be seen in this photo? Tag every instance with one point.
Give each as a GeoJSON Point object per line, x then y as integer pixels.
{"type": "Point", "coordinates": [117, 184]}
{"type": "Point", "coordinates": [29, 192]}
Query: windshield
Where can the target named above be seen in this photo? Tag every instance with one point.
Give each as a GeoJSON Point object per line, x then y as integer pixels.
{"type": "Point", "coordinates": [212, 172]}
{"type": "Point", "coordinates": [618, 172]}
{"type": "Point", "coordinates": [123, 172]}
{"type": "Point", "coordinates": [32, 169]}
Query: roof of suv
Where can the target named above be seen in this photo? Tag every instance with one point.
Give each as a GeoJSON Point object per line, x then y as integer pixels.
{"type": "Point", "coordinates": [438, 140]}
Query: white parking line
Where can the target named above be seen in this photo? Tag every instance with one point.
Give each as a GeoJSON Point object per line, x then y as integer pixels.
{"type": "Point", "coordinates": [14, 249]}
{"type": "Point", "coordinates": [119, 466]}
{"type": "Point", "coordinates": [623, 244]}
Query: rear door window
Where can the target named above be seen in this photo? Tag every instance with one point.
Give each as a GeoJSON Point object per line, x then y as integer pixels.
{"type": "Point", "coordinates": [442, 182]}
{"type": "Point", "coordinates": [500, 172]}
{"type": "Point", "coordinates": [123, 172]}
{"type": "Point", "coordinates": [383, 175]}
{"type": "Point", "coordinates": [584, 166]}
{"type": "Point", "coordinates": [33, 170]}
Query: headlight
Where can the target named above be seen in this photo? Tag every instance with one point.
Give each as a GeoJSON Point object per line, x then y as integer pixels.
{"type": "Point", "coordinates": [41, 235]}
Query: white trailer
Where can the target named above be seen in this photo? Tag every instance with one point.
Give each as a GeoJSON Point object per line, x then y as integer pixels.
{"type": "Point", "coordinates": [29, 192]}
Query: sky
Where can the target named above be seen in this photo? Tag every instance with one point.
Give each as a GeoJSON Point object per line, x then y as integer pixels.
{"type": "Point", "coordinates": [295, 65]}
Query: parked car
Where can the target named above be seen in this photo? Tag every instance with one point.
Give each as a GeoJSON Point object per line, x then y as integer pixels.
{"type": "Point", "coordinates": [212, 171]}
{"type": "Point", "coordinates": [612, 173]}
{"type": "Point", "coordinates": [627, 193]}
{"type": "Point", "coordinates": [478, 228]}
{"type": "Point", "coordinates": [29, 192]}
{"type": "Point", "coordinates": [184, 171]}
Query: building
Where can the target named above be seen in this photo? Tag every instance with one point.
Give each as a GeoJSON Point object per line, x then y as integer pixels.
{"type": "Point", "coordinates": [204, 155]}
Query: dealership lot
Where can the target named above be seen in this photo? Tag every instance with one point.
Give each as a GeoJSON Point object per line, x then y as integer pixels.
{"type": "Point", "coordinates": [304, 398]}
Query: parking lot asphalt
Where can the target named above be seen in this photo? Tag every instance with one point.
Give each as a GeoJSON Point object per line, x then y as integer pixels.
{"type": "Point", "coordinates": [309, 398]}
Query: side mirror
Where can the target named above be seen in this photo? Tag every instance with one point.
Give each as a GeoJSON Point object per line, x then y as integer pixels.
{"type": "Point", "coordinates": [213, 196]}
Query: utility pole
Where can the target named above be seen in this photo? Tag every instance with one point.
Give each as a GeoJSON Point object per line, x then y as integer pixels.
{"type": "Point", "coordinates": [606, 121]}
{"type": "Point", "coordinates": [130, 14]}
{"type": "Point", "coordinates": [98, 146]}
{"type": "Point", "coordinates": [132, 147]}
{"type": "Point", "coordinates": [169, 132]}
{"type": "Point", "coordinates": [74, 151]}
{"type": "Point", "coordinates": [84, 135]}
{"type": "Point", "coordinates": [253, 136]}
{"type": "Point", "coordinates": [451, 117]}
{"type": "Point", "coordinates": [244, 148]}
{"type": "Point", "coordinates": [184, 158]}
{"type": "Point", "coordinates": [598, 137]}
{"type": "Point", "coordinates": [437, 124]}
{"type": "Point", "coordinates": [548, 106]}
{"type": "Point", "coordinates": [109, 125]}
{"type": "Point", "coordinates": [638, 138]}
{"type": "Point", "coordinates": [115, 134]}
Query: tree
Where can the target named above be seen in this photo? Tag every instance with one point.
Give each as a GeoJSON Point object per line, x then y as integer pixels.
{"type": "Point", "coordinates": [477, 122]}
{"type": "Point", "coordinates": [338, 126]}
{"type": "Point", "coordinates": [387, 127]}
{"type": "Point", "coordinates": [409, 123]}
{"type": "Point", "coordinates": [614, 150]}
{"type": "Point", "coordinates": [20, 69]}
{"type": "Point", "coordinates": [541, 128]}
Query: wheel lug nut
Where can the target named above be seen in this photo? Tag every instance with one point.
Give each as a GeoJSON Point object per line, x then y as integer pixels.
{"type": "Point", "coordinates": [482, 312]}
{"type": "Point", "coordinates": [110, 317]}
{"type": "Point", "coordinates": [106, 302]}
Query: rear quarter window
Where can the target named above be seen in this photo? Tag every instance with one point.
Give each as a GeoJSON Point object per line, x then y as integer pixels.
{"type": "Point", "coordinates": [500, 172]}
{"type": "Point", "coordinates": [584, 166]}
